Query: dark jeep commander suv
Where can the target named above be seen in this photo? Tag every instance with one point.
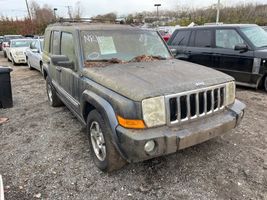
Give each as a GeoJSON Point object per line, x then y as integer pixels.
{"type": "Point", "coordinates": [136, 101]}
{"type": "Point", "coordinates": [238, 50]}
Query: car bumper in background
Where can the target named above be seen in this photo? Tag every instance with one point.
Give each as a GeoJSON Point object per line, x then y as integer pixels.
{"type": "Point", "coordinates": [20, 59]}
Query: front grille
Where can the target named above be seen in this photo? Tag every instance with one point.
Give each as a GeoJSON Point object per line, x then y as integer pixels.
{"type": "Point", "coordinates": [194, 104]}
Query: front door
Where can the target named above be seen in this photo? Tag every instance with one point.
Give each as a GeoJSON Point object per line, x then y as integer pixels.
{"type": "Point", "coordinates": [238, 64]}
{"type": "Point", "coordinates": [69, 78]}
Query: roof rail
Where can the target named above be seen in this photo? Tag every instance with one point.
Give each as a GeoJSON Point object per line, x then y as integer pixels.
{"type": "Point", "coordinates": [86, 20]}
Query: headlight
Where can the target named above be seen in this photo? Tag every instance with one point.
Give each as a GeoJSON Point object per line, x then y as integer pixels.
{"type": "Point", "coordinates": [230, 93]}
{"type": "Point", "coordinates": [154, 111]}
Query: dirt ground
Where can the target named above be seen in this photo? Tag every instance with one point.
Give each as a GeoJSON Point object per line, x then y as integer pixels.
{"type": "Point", "coordinates": [44, 154]}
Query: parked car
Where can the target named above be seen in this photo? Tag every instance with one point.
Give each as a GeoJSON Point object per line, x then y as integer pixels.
{"type": "Point", "coordinates": [6, 42]}
{"type": "Point", "coordinates": [238, 50]}
{"type": "Point", "coordinates": [136, 101]}
{"type": "Point", "coordinates": [1, 41]}
{"type": "Point", "coordinates": [34, 54]}
{"type": "Point", "coordinates": [16, 51]}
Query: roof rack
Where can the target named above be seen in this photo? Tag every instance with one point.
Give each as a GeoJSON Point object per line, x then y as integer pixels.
{"type": "Point", "coordinates": [85, 20]}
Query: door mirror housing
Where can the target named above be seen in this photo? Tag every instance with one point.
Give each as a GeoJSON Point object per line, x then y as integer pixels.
{"type": "Point", "coordinates": [62, 61]}
{"type": "Point", "coordinates": [173, 51]}
{"type": "Point", "coordinates": [241, 47]}
{"type": "Point", "coordinates": [35, 50]}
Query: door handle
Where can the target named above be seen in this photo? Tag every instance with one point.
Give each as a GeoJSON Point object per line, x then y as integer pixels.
{"type": "Point", "coordinates": [58, 69]}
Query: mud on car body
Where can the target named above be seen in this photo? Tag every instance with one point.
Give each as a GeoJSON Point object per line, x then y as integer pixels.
{"type": "Point", "coordinates": [136, 101]}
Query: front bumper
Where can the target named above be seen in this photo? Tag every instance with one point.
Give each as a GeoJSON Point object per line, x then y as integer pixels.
{"type": "Point", "coordinates": [171, 139]}
{"type": "Point", "coordinates": [20, 59]}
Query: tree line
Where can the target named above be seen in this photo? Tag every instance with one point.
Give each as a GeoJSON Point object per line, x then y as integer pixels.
{"type": "Point", "coordinates": [43, 16]}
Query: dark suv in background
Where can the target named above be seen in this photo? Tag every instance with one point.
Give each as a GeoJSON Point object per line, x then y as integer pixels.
{"type": "Point", "coordinates": [238, 50]}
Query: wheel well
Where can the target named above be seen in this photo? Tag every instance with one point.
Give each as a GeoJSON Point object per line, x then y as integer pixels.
{"type": "Point", "coordinates": [41, 63]}
{"type": "Point", "coordinates": [87, 109]}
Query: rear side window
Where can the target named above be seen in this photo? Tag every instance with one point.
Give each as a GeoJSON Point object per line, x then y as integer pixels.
{"type": "Point", "coordinates": [181, 38]}
{"type": "Point", "coordinates": [67, 46]}
{"type": "Point", "coordinates": [56, 43]}
{"type": "Point", "coordinates": [203, 38]}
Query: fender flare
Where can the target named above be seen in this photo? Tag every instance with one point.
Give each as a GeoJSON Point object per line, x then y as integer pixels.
{"type": "Point", "coordinates": [107, 113]}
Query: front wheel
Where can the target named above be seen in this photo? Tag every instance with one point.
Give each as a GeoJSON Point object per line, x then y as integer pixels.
{"type": "Point", "coordinates": [29, 64]}
{"type": "Point", "coordinates": [5, 54]}
{"type": "Point", "coordinates": [53, 99]}
{"type": "Point", "coordinates": [104, 153]}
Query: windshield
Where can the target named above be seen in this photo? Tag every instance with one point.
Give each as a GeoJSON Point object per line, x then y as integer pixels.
{"type": "Point", "coordinates": [256, 35]}
{"type": "Point", "coordinates": [123, 45]}
{"type": "Point", "coordinates": [20, 43]}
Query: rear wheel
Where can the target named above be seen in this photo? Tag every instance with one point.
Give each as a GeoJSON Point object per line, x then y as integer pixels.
{"type": "Point", "coordinates": [104, 153]}
{"type": "Point", "coordinates": [53, 99]}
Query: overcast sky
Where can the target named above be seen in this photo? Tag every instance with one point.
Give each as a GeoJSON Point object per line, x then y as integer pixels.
{"type": "Point", "coordinates": [13, 8]}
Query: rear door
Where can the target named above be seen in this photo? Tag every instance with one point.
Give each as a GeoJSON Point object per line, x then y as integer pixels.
{"type": "Point", "coordinates": [235, 63]}
{"type": "Point", "coordinates": [179, 43]}
{"type": "Point", "coordinates": [200, 47]}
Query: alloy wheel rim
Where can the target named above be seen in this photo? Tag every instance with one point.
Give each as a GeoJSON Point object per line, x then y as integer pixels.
{"type": "Point", "coordinates": [98, 141]}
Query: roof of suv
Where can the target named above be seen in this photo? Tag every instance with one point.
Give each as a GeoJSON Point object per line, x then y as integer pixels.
{"type": "Point", "coordinates": [93, 26]}
{"type": "Point", "coordinates": [220, 26]}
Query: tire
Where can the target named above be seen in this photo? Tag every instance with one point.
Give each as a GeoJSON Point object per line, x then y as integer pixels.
{"type": "Point", "coordinates": [13, 61]}
{"type": "Point", "coordinates": [53, 99]}
{"type": "Point", "coordinates": [5, 54]}
{"type": "Point", "coordinates": [108, 158]}
{"type": "Point", "coordinates": [265, 83]}
{"type": "Point", "coordinates": [29, 64]}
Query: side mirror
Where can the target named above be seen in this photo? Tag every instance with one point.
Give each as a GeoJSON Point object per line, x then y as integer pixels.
{"type": "Point", "coordinates": [62, 61]}
{"type": "Point", "coordinates": [35, 50]}
{"type": "Point", "coordinates": [173, 51]}
{"type": "Point", "coordinates": [241, 47]}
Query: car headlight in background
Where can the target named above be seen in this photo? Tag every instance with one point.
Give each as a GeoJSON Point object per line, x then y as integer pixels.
{"type": "Point", "coordinates": [230, 93]}
{"type": "Point", "coordinates": [154, 111]}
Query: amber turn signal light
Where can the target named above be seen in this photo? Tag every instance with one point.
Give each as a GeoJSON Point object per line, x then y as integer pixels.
{"type": "Point", "coordinates": [131, 123]}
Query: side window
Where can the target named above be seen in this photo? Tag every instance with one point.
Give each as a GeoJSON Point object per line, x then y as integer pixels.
{"type": "Point", "coordinates": [227, 38]}
{"type": "Point", "coordinates": [203, 38]}
{"type": "Point", "coordinates": [67, 46]}
{"type": "Point", "coordinates": [56, 43]}
{"type": "Point", "coordinates": [181, 38]}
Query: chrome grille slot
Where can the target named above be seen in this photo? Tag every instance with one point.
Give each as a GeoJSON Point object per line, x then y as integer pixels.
{"type": "Point", "coordinates": [194, 104]}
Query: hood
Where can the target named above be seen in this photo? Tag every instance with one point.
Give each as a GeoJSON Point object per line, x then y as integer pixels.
{"type": "Point", "coordinates": [18, 49]}
{"type": "Point", "coordinates": [138, 81]}
{"type": "Point", "coordinates": [261, 53]}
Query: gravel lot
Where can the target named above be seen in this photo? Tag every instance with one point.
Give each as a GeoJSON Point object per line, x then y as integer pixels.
{"type": "Point", "coordinates": [44, 154]}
